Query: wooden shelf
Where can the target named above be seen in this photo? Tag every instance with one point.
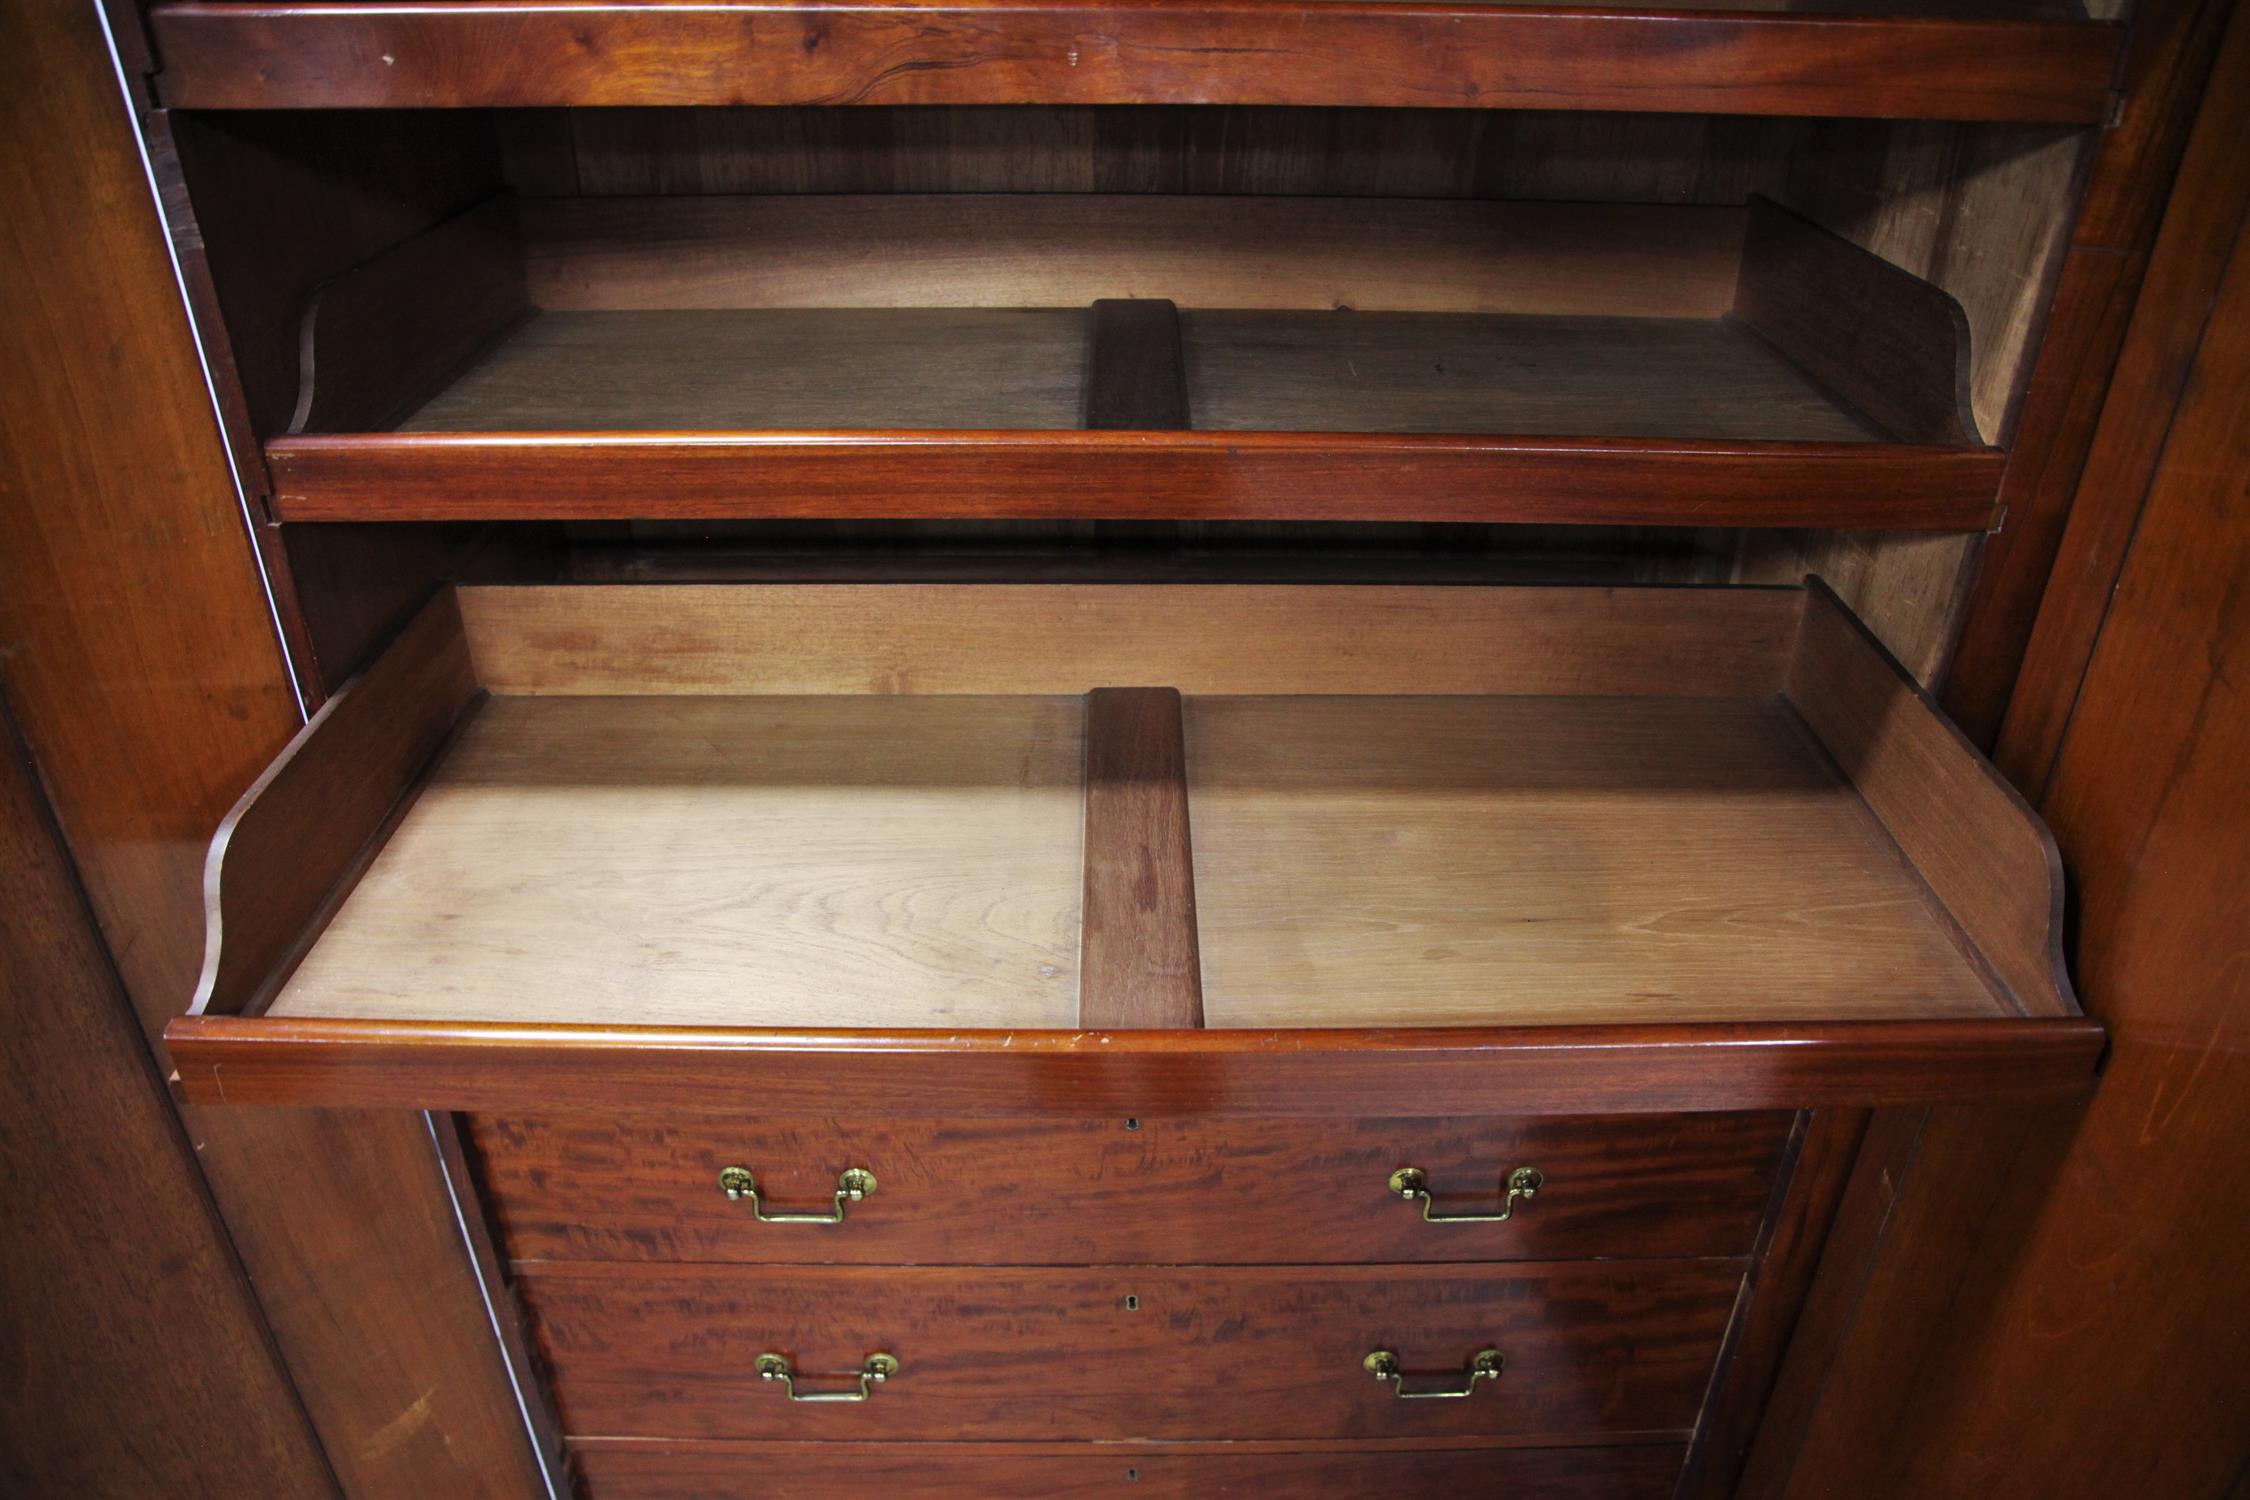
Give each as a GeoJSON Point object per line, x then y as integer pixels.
{"type": "Point", "coordinates": [1467, 362]}
{"type": "Point", "coordinates": [553, 815]}
{"type": "Point", "coordinates": [1880, 60]}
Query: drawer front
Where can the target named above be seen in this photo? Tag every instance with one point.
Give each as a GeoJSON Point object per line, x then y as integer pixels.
{"type": "Point", "coordinates": [1590, 1350]}
{"type": "Point", "coordinates": [641, 1470]}
{"type": "Point", "coordinates": [1119, 1191]}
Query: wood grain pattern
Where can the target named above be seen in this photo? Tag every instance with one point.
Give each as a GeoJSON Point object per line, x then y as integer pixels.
{"type": "Point", "coordinates": [1987, 858]}
{"type": "Point", "coordinates": [231, 56]}
{"type": "Point", "coordinates": [1983, 213]}
{"type": "Point", "coordinates": [375, 340]}
{"type": "Point", "coordinates": [2036, 1262]}
{"type": "Point", "coordinates": [143, 667]}
{"type": "Point", "coordinates": [910, 249]}
{"type": "Point", "coordinates": [516, 1068]}
{"type": "Point", "coordinates": [509, 1329]}
{"type": "Point", "coordinates": [267, 208]}
{"type": "Point", "coordinates": [1172, 476]}
{"type": "Point", "coordinates": [1135, 377]}
{"type": "Point", "coordinates": [659, 1470]}
{"type": "Point", "coordinates": [383, 963]}
{"type": "Point", "coordinates": [301, 828]}
{"type": "Point", "coordinates": [1132, 1351]}
{"type": "Point", "coordinates": [1251, 638]}
{"type": "Point", "coordinates": [1126, 1191]}
{"type": "Point", "coordinates": [1816, 1164]}
{"type": "Point", "coordinates": [1831, 1308]}
{"type": "Point", "coordinates": [139, 1360]}
{"type": "Point", "coordinates": [1137, 949]}
{"type": "Point", "coordinates": [878, 861]}
{"type": "Point", "coordinates": [1351, 371]}
{"type": "Point", "coordinates": [1510, 861]}
{"type": "Point", "coordinates": [2210, 200]}
{"type": "Point", "coordinates": [776, 368]}
{"type": "Point", "coordinates": [1890, 344]}
{"type": "Point", "coordinates": [2172, 48]}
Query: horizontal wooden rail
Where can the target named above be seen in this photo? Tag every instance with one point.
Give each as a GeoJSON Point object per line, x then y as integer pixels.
{"type": "Point", "coordinates": [1130, 476]}
{"type": "Point", "coordinates": [1514, 1071]}
{"type": "Point", "coordinates": [518, 53]}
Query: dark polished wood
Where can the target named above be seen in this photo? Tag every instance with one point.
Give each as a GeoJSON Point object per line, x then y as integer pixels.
{"type": "Point", "coordinates": [1831, 1302]}
{"type": "Point", "coordinates": [139, 1361]}
{"type": "Point", "coordinates": [1595, 1348]}
{"type": "Point", "coordinates": [1536, 1069]}
{"type": "Point", "coordinates": [644, 1470]}
{"type": "Point", "coordinates": [2044, 1259]}
{"type": "Point", "coordinates": [143, 665]}
{"type": "Point", "coordinates": [1205, 476]}
{"type": "Point", "coordinates": [1138, 962]}
{"type": "Point", "coordinates": [1818, 1162]}
{"type": "Point", "coordinates": [492, 52]}
{"type": "Point", "coordinates": [378, 339]}
{"type": "Point", "coordinates": [266, 210]}
{"type": "Point", "coordinates": [2210, 200]}
{"type": "Point", "coordinates": [509, 1326]}
{"type": "Point", "coordinates": [1135, 379]}
{"type": "Point", "coordinates": [1127, 1190]}
{"type": "Point", "coordinates": [1890, 343]}
{"type": "Point", "coordinates": [2169, 57]}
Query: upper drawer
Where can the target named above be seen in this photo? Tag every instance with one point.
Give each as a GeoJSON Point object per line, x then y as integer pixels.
{"type": "Point", "coordinates": [1126, 1191]}
{"type": "Point", "coordinates": [1397, 853]}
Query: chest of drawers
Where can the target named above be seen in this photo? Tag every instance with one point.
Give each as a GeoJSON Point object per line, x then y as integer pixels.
{"type": "Point", "coordinates": [1429, 1037]}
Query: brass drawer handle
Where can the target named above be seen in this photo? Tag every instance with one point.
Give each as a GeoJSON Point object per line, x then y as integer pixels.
{"type": "Point", "coordinates": [852, 1185]}
{"type": "Point", "coordinates": [879, 1368]}
{"type": "Point", "coordinates": [1485, 1364]}
{"type": "Point", "coordinates": [1412, 1183]}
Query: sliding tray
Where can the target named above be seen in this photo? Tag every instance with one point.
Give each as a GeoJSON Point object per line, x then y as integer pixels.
{"type": "Point", "coordinates": [1158, 358]}
{"type": "Point", "coordinates": [958, 851]}
{"type": "Point", "coordinates": [2031, 60]}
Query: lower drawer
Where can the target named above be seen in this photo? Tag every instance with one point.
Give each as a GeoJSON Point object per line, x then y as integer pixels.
{"type": "Point", "coordinates": [1605, 1349]}
{"type": "Point", "coordinates": [1128, 1191]}
{"type": "Point", "coordinates": [655, 1470]}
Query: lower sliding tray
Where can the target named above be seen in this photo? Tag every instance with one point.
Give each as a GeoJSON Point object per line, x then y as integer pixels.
{"type": "Point", "coordinates": [937, 851]}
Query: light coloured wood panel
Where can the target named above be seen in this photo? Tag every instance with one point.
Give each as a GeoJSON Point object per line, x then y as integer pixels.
{"type": "Point", "coordinates": [859, 862]}
{"type": "Point", "coordinates": [1066, 250]}
{"type": "Point", "coordinates": [1246, 638]}
{"type": "Point", "coordinates": [739, 369]}
{"type": "Point", "coordinates": [1417, 861]}
{"type": "Point", "coordinates": [1564, 376]}
{"type": "Point", "coordinates": [1981, 849]}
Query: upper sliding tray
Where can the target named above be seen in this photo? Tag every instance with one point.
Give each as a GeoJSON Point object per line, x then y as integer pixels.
{"type": "Point", "coordinates": [1420, 850]}
{"type": "Point", "coordinates": [1997, 60]}
{"type": "Point", "coordinates": [1227, 358]}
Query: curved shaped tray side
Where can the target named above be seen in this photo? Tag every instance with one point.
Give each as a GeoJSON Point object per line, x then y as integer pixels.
{"type": "Point", "coordinates": [1986, 857]}
{"type": "Point", "coordinates": [293, 841]}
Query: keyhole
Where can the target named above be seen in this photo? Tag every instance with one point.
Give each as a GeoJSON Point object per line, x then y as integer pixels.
{"type": "Point", "coordinates": [1132, 1473]}
{"type": "Point", "coordinates": [1132, 1124]}
{"type": "Point", "coordinates": [1132, 1304]}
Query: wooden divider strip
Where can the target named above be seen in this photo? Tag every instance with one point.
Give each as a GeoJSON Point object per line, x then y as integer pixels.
{"type": "Point", "coordinates": [1138, 964]}
{"type": "Point", "coordinates": [1136, 374]}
